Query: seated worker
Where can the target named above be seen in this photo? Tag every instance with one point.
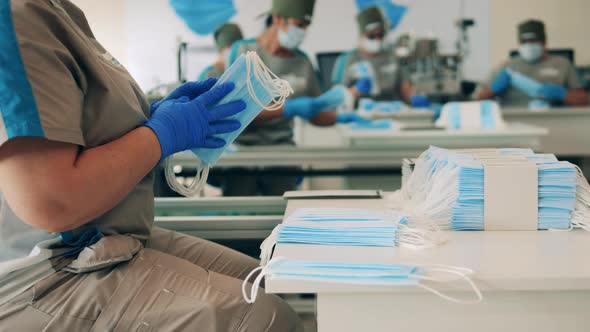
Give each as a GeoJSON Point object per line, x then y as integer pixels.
{"type": "Point", "coordinates": [374, 68]}
{"type": "Point", "coordinates": [555, 76]}
{"type": "Point", "coordinates": [78, 145]}
{"type": "Point", "coordinates": [224, 36]}
{"type": "Point", "coordinates": [278, 46]}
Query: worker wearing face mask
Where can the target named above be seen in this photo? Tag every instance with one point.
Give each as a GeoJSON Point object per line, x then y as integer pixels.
{"type": "Point", "coordinates": [547, 77]}
{"type": "Point", "coordinates": [225, 36]}
{"type": "Point", "coordinates": [372, 68]}
{"type": "Point", "coordinates": [278, 47]}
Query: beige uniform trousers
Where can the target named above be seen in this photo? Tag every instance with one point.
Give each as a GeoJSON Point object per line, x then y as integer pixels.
{"type": "Point", "coordinates": [177, 283]}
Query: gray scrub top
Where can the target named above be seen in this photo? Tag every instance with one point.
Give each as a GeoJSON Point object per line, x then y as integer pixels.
{"type": "Point", "coordinates": [553, 69]}
{"type": "Point", "coordinates": [210, 72]}
{"type": "Point", "coordinates": [385, 65]}
{"type": "Point", "coordinates": [58, 83]}
{"type": "Point", "coordinates": [298, 71]}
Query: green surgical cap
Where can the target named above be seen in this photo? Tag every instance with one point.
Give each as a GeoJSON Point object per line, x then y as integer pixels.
{"type": "Point", "coordinates": [297, 9]}
{"type": "Point", "coordinates": [531, 30]}
{"type": "Point", "coordinates": [227, 34]}
{"type": "Point", "coordinates": [370, 19]}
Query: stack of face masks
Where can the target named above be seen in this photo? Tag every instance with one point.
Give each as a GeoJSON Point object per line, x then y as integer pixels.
{"type": "Point", "coordinates": [348, 227]}
{"type": "Point", "coordinates": [448, 187]}
{"type": "Point", "coordinates": [258, 87]}
{"type": "Point", "coordinates": [370, 108]}
{"type": "Point", "coordinates": [471, 115]}
{"type": "Point", "coordinates": [353, 273]}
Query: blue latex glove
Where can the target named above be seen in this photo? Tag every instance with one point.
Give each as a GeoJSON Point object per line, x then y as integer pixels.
{"type": "Point", "coordinates": [501, 82]}
{"type": "Point", "coordinates": [183, 124]}
{"type": "Point", "coordinates": [553, 92]}
{"type": "Point", "coordinates": [302, 107]}
{"type": "Point", "coordinates": [190, 89]}
{"type": "Point", "coordinates": [419, 101]}
{"type": "Point", "coordinates": [364, 86]}
{"type": "Point", "coordinates": [350, 118]}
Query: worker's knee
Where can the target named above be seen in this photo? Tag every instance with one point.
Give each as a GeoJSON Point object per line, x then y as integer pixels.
{"type": "Point", "coordinates": [271, 313]}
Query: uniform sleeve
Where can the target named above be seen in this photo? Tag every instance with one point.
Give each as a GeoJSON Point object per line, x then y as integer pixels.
{"type": "Point", "coordinates": [39, 78]}
{"type": "Point", "coordinates": [572, 79]}
{"type": "Point", "coordinates": [340, 73]}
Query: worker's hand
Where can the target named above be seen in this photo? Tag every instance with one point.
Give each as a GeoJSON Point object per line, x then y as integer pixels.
{"type": "Point", "coordinates": [184, 123]}
{"type": "Point", "coordinates": [191, 90]}
{"type": "Point", "coordinates": [501, 82]}
{"type": "Point", "coordinates": [350, 117]}
{"type": "Point", "coordinates": [553, 92]}
{"type": "Point", "coordinates": [302, 107]}
{"type": "Point", "coordinates": [419, 101]}
{"type": "Point", "coordinates": [364, 86]}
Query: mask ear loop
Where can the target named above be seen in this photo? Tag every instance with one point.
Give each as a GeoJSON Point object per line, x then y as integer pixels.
{"type": "Point", "coordinates": [268, 245]}
{"type": "Point", "coordinates": [264, 271]}
{"type": "Point", "coordinates": [194, 187]}
{"type": "Point", "coordinates": [279, 89]}
{"type": "Point", "coordinates": [581, 214]}
{"type": "Point", "coordinates": [459, 272]}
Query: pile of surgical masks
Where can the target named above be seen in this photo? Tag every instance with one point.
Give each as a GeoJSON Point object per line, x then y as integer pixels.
{"type": "Point", "coordinates": [260, 89]}
{"type": "Point", "coordinates": [354, 273]}
{"type": "Point", "coordinates": [471, 115]}
{"type": "Point", "coordinates": [447, 187]}
{"type": "Point", "coordinates": [349, 227]}
{"type": "Point", "coordinates": [370, 108]}
{"type": "Point", "coordinates": [383, 124]}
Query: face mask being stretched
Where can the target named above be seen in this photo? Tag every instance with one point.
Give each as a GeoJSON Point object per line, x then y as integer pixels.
{"type": "Point", "coordinates": [292, 38]}
{"type": "Point", "coordinates": [258, 87]}
{"type": "Point", "coordinates": [531, 52]}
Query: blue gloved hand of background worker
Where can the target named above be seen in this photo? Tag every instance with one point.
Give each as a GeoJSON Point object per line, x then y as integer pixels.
{"type": "Point", "coordinates": [302, 107]}
{"type": "Point", "coordinates": [364, 86]}
{"type": "Point", "coordinates": [350, 117]}
{"type": "Point", "coordinates": [419, 101]}
{"type": "Point", "coordinates": [186, 123]}
{"type": "Point", "coordinates": [501, 82]}
{"type": "Point", "coordinates": [553, 92]}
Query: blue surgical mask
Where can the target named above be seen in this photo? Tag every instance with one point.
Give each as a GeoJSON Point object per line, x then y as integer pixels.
{"type": "Point", "coordinates": [354, 273]}
{"type": "Point", "coordinates": [257, 87]}
{"type": "Point", "coordinates": [531, 52]}
{"type": "Point", "coordinates": [292, 38]}
{"type": "Point", "coordinates": [349, 227]}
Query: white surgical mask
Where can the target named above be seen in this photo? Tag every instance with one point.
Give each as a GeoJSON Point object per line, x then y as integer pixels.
{"type": "Point", "coordinates": [292, 38]}
{"type": "Point", "coordinates": [402, 51]}
{"type": "Point", "coordinates": [372, 45]}
{"type": "Point", "coordinates": [531, 52]}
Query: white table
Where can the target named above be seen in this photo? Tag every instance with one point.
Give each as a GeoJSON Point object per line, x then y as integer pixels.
{"type": "Point", "coordinates": [569, 128]}
{"type": "Point", "coordinates": [532, 281]}
{"type": "Point", "coordinates": [381, 148]}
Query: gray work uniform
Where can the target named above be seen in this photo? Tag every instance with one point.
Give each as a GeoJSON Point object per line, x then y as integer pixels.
{"type": "Point", "coordinates": [300, 73]}
{"type": "Point", "coordinates": [385, 66]}
{"type": "Point", "coordinates": [210, 72]}
{"type": "Point", "coordinates": [58, 83]}
{"type": "Point", "coordinates": [553, 69]}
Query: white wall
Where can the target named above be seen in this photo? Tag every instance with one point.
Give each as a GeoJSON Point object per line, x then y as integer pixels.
{"type": "Point", "coordinates": [566, 23]}
{"type": "Point", "coordinates": [153, 31]}
{"type": "Point", "coordinates": [107, 20]}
